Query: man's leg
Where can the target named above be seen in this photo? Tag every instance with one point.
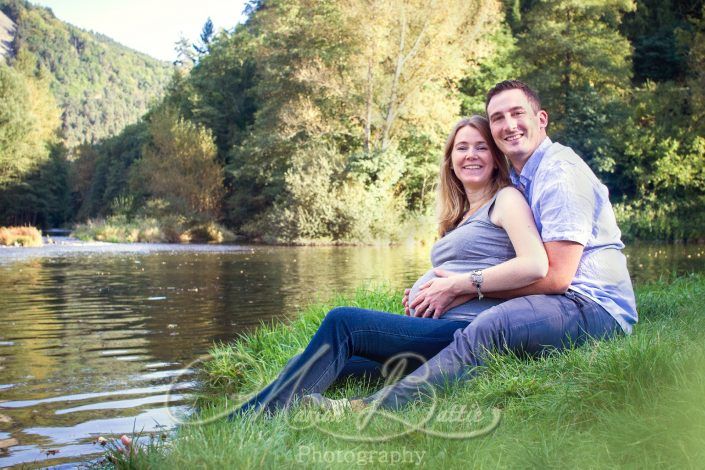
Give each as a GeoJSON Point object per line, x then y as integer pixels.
{"type": "Point", "coordinates": [347, 332]}
{"type": "Point", "coordinates": [525, 325]}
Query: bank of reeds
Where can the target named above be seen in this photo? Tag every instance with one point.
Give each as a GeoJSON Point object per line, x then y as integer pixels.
{"type": "Point", "coordinates": [632, 402]}
{"type": "Point", "coordinates": [20, 236]}
{"type": "Point", "coordinates": [169, 229]}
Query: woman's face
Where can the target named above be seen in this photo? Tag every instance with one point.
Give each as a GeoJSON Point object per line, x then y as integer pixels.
{"type": "Point", "coordinates": [472, 159]}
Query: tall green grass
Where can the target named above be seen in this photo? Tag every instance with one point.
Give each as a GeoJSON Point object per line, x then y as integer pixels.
{"type": "Point", "coordinates": [633, 402]}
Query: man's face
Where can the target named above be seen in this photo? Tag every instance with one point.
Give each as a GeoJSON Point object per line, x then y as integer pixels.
{"type": "Point", "coordinates": [516, 128]}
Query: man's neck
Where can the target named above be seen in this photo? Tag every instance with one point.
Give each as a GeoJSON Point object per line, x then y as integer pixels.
{"type": "Point", "coordinates": [519, 162]}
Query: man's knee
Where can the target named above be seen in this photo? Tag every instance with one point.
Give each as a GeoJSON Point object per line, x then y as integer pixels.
{"type": "Point", "coordinates": [486, 333]}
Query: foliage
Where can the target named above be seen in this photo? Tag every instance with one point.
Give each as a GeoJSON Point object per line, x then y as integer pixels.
{"type": "Point", "coordinates": [324, 121]}
{"type": "Point", "coordinates": [345, 81]}
{"type": "Point", "coordinates": [144, 229]}
{"type": "Point", "coordinates": [579, 62]}
{"type": "Point", "coordinates": [659, 32]}
{"type": "Point", "coordinates": [22, 236]}
{"type": "Point", "coordinates": [178, 165]}
{"type": "Point", "coordinates": [100, 173]}
{"type": "Point", "coordinates": [28, 122]}
{"type": "Point", "coordinates": [42, 197]}
{"type": "Point", "coordinates": [33, 166]}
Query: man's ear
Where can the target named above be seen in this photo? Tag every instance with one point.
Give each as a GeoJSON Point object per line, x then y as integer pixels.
{"type": "Point", "coordinates": [543, 119]}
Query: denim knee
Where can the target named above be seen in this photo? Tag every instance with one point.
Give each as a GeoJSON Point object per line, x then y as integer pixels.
{"type": "Point", "coordinates": [485, 333]}
{"type": "Point", "coordinates": [339, 314]}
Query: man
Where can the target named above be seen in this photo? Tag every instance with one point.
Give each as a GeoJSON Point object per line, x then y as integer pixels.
{"type": "Point", "coordinates": [587, 292]}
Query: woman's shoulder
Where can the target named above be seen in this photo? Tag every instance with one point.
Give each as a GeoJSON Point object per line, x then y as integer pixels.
{"type": "Point", "coordinates": [507, 201]}
{"type": "Point", "coordinates": [509, 195]}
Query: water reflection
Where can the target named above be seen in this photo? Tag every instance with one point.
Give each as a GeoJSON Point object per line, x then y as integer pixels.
{"type": "Point", "coordinates": [90, 341]}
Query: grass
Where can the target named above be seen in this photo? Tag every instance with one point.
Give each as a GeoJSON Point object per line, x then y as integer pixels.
{"type": "Point", "coordinates": [170, 229]}
{"type": "Point", "coordinates": [634, 402]}
{"type": "Point", "coordinates": [20, 236]}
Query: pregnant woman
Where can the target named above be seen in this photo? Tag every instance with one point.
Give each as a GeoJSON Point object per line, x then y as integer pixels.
{"type": "Point", "coordinates": [488, 243]}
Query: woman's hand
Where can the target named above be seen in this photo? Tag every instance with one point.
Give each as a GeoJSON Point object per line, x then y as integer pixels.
{"type": "Point", "coordinates": [405, 302]}
{"type": "Point", "coordinates": [436, 295]}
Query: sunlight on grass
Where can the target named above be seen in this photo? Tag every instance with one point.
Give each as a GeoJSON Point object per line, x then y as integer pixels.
{"type": "Point", "coordinates": [635, 401]}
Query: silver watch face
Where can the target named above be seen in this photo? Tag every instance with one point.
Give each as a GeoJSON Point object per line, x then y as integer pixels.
{"type": "Point", "coordinates": [476, 277]}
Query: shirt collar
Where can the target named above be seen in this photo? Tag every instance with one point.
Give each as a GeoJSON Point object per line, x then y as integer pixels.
{"type": "Point", "coordinates": [523, 181]}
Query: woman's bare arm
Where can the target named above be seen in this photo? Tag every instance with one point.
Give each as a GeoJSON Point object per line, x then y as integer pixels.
{"type": "Point", "coordinates": [512, 213]}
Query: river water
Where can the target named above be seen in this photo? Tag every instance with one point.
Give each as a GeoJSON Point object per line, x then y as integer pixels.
{"type": "Point", "coordinates": [95, 338]}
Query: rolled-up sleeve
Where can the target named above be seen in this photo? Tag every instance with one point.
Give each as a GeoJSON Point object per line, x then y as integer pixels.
{"type": "Point", "coordinates": [567, 205]}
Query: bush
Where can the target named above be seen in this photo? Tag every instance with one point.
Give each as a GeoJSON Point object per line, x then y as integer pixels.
{"type": "Point", "coordinates": [208, 232]}
{"type": "Point", "coordinates": [659, 220]}
{"type": "Point", "coordinates": [169, 229]}
{"type": "Point", "coordinates": [20, 236]}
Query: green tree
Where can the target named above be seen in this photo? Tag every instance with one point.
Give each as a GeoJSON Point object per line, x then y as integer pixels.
{"type": "Point", "coordinates": [206, 37]}
{"type": "Point", "coordinates": [179, 165]}
{"type": "Point", "coordinates": [29, 119]}
{"type": "Point", "coordinates": [364, 80]}
{"type": "Point", "coordinates": [580, 64]}
{"type": "Point", "coordinates": [656, 30]}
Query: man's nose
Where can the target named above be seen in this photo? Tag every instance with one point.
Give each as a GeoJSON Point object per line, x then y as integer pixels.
{"type": "Point", "coordinates": [510, 122]}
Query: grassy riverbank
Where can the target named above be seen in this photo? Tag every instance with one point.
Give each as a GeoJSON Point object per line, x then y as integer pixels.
{"type": "Point", "coordinates": [20, 236]}
{"type": "Point", "coordinates": [171, 229]}
{"type": "Point", "coordinates": [633, 402]}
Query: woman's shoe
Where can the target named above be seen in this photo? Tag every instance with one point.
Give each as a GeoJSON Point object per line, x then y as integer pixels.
{"type": "Point", "coordinates": [336, 407]}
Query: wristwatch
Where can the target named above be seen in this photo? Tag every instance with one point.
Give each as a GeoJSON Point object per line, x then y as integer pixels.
{"type": "Point", "coordinates": [476, 279]}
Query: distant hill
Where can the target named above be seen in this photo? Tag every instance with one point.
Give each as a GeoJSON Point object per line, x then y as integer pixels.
{"type": "Point", "coordinates": [100, 85]}
{"type": "Point", "coordinates": [7, 34]}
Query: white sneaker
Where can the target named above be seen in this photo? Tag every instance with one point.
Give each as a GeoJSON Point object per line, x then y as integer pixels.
{"type": "Point", "coordinates": [336, 407]}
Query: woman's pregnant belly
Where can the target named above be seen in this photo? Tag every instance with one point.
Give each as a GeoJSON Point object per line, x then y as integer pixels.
{"type": "Point", "coordinates": [467, 311]}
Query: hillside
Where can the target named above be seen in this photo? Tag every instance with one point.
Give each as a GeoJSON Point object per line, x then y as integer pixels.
{"type": "Point", "coordinates": [101, 86]}
{"type": "Point", "coordinates": [7, 34]}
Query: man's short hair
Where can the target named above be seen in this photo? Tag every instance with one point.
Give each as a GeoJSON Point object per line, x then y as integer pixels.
{"type": "Point", "coordinates": [530, 94]}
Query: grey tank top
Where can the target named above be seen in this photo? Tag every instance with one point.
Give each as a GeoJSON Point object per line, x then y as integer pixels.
{"type": "Point", "coordinates": [476, 243]}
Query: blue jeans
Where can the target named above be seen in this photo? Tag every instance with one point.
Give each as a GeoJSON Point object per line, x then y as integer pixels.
{"type": "Point", "coordinates": [353, 341]}
{"type": "Point", "coordinates": [349, 338]}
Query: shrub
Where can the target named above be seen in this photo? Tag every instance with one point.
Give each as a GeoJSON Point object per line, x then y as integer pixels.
{"type": "Point", "coordinates": [171, 229]}
{"type": "Point", "coordinates": [20, 236]}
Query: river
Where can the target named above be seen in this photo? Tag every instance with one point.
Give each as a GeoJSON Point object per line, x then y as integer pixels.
{"type": "Point", "coordinates": [94, 336]}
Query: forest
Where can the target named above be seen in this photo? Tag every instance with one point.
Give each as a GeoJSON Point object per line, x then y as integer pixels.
{"type": "Point", "coordinates": [324, 121]}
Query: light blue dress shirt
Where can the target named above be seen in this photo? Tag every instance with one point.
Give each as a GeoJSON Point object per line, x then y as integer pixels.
{"type": "Point", "coordinates": [569, 203]}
